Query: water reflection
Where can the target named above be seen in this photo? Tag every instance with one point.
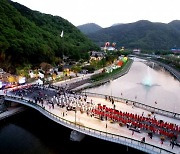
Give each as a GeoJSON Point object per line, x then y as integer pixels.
{"type": "Point", "coordinates": [147, 83]}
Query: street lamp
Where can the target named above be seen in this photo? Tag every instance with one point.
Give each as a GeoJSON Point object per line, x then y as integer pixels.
{"type": "Point", "coordinates": [75, 113]}
{"type": "Point", "coordinates": [155, 106]}
{"type": "Point", "coordinates": [106, 126]}
{"type": "Point", "coordinates": [111, 86]}
{"type": "Point", "coordinates": [75, 117]}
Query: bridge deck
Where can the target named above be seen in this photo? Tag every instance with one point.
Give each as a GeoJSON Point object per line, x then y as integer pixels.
{"type": "Point", "coordinates": [114, 128]}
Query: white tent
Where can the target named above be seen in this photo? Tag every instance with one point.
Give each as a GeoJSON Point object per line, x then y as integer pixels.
{"type": "Point", "coordinates": [39, 81]}
{"type": "Point", "coordinates": [22, 80]}
{"type": "Point", "coordinates": [32, 75]}
{"type": "Point", "coordinates": [41, 75]}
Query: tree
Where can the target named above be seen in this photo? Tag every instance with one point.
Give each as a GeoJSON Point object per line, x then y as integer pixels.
{"type": "Point", "coordinates": [45, 67]}
{"type": "Point", "coordinates": [5, 61]}
{"type": "Point", "coordinates": [31, 37]}
{"type": "Point", "coordinates": [76, 69]}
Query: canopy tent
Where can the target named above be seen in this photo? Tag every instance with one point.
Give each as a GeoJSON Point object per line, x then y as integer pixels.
{"type": "Point", "coordinates": [39, 82]}
{"type": "Point", "coordinates": [22, 80]}
{"type": "Point", "coordinates": [41, 75]}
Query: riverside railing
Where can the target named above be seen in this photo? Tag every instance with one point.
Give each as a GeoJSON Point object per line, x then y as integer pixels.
{"type": "Point", "coordinates": [172, 71]}
{"type": "Point", "coordinates": [146, 147]}
{"type": "Point", "coordinates": [137, 104]}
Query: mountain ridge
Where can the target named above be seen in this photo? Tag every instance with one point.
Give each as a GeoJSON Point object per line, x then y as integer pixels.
{"type": "Point", "coordinates": [142, 34]}
{"type": "Point", "coordinates": [89, 28]}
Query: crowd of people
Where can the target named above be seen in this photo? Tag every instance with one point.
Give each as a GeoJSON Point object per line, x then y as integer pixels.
{"type": "Point", "coordinates": [60, 97]}
{"type": "Point", "coordinates": [139, 122]}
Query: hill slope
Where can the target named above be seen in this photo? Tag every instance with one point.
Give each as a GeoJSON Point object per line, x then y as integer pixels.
{"type": "Point", "coordinates": [28, 36]}
{"type": "Point", "coordinates": [89, 28]}
{"type": "Point", "coordinates": [142, 34]}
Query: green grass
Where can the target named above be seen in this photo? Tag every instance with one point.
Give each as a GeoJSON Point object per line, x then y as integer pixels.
{"type": "Point", "coordinates": [114, 73]}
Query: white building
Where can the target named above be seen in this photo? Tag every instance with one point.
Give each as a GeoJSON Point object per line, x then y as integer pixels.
{"type": "Point", "coordinates": [137, 51]}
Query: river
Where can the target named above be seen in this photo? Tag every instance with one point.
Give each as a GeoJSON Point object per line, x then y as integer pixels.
{"type": "Point", "coordinates": [147, 83]}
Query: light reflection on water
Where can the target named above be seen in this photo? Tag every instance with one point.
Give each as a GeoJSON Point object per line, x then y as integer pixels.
{"type": "Point", "coordinates": [146, 85]}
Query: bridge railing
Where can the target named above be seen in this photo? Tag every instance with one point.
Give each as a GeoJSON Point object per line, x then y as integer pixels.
{"type": "Point", "coordinates": [146, 147]}
{"type": "Point", "coordinates": [136, 104]}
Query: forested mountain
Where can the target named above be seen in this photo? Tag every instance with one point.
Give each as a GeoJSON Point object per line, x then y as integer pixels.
{"type": "Point", "coordinates": [175, 24]}
{"type": "Point", "coordinates": [142, 34]}
{"type": "Point", "coordinates": [31, 37]}
{"type": "Point", "coordinates": [89, 28]}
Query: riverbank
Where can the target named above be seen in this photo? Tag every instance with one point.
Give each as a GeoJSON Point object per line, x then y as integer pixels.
{"type": "Point", "coordinates": [113, 76]}
{"type": "Point", "coordinates": [170, 69]}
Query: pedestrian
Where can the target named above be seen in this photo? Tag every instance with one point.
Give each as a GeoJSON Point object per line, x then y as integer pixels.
{"type": "Point", "coordinates": [112, 101]}
{"type": "Point", "coordinates": [173, 144]}
{"type": "Point", "coordinates": [114, 106]}
{"type": "Point", "coordinates": [133, 105]}
{"type": "Point", "coordinates": [132, 132]}
{"type": "Point", "coordinates": [126, 102]}
{"type": "Point", "coordinates": [161, 141]}
{"type": "Point", "coordinates": [143, 140]}
{"type": "Point", "coordinates": [91, 101]}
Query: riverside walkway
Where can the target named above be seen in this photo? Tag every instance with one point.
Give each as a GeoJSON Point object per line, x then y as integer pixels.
{"type": "Point", "coordinates": [82, 120]}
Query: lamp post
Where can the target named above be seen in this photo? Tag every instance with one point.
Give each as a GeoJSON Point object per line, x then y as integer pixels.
{"type": "Point", "coordinates": [75, 113]}
{"type": "Point", "coordinates": [111, 86]}
{"type": "Point", "coordinates": [75, 117]}
{"type": "Point", "coordinates": [155, 105]}
{"type": "Point", "coordinates": [106, 126]}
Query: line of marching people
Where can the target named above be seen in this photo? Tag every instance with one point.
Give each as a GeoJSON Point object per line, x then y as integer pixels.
{"type": "Point", "coordinates": [148, 124]}
{"type": "Point", "coordinates": [59, 97]}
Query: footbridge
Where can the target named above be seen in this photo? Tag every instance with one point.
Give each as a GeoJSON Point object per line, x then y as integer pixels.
{"type": "Point", "coordinates": [83, 123]}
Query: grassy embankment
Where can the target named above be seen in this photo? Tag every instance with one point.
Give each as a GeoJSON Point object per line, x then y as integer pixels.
{"type": "Point", "coordinates": [106, 77]}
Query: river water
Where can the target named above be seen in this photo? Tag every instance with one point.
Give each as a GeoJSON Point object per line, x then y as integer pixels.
{"type": "Point", "coordinates": [32, 133]}
{"type": "Point", "coordinates": [147, 83]}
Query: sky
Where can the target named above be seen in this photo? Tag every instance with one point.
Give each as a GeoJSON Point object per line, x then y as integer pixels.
{"type": "Point", "coordinates": [107, 12]}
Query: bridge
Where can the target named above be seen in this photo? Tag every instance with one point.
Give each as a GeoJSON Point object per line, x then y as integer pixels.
{"type": "Point", "coordinates": [83, 122]}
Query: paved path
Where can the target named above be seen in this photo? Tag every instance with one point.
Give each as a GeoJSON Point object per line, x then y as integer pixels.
{"type": "Point", "coordinates": [84, 119]}
{"type": "Point", "coordinates": [114, 128]}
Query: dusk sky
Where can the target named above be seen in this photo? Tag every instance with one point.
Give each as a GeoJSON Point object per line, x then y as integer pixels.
{"type": "Point", "coordinates": [108, 12]}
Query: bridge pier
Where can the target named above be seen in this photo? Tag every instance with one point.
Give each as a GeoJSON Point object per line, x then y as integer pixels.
{"type": "Point", "coordinates": [76, 136]}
